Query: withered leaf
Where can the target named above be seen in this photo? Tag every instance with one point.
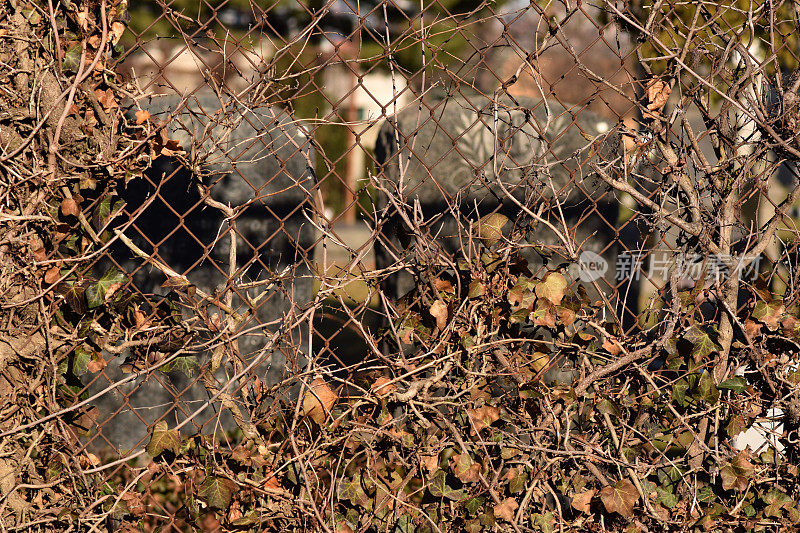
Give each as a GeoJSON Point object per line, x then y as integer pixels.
{"type": "Point", "coordinates": [318, 400]}
{"type": "Point", "coordinates": [439, 311]}
{"type": "Point", "coordinates": [620, 498]}
{"type": "Point", "coordinates": [505, 509]}
{"type": "Point", "coordinates": [582, 501]}
{"type": "Point", "coordinates": [484, 416]}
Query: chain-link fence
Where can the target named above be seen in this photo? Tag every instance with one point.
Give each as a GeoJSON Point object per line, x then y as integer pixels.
{"type": "Point", "coordinates": [420, 225]}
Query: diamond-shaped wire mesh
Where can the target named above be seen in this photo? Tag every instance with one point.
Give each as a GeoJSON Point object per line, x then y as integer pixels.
{"type": "Point", "coordinates": [315, 163]}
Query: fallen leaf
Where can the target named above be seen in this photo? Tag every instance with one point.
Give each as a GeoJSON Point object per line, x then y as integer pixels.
{"type": "Point", "coordinates": [382, 386]}
{"type": "Point", "coordinates": [736, 474]}
{"type": "Point", "coordinates": [318, 400]}
{"type": "Point", "coordinates": [94, 41]}
{"type": "Point", "coordinates": [505, 509]}
{"type": "Point", "coordinates": [582, 500]}
{"type": "Point", "coordinates": [69, 207]}
{"type": "Point", "coordinates": [465, 468]}
{"type": "Point", "coordinates": [483, 417]}
{"type": "Point", "coordinates": [96, 364]}
{"type": "Point", "coordinates": [620, 498]}
{"type": "Point", "coordinates": [52, 275]}
{"type": "Point", "coordinates": [83, 19]}
{"type": "Point", "coordinates": [142, 116]}
{"type": "Point", "coordinates": [429, 462]}
{"type": "Point", "coordinates": [657, 95]}
{"type": "Point", "coordinates": [133, 502]}
{"type": "Point", "coordinates": [553, 288]}
{"type": "Point", "coordinates": [117, 29]}
{"type": "Point", "coordinates": [611, 347]}
{"type": "Point", "coordinates": [106, 98]}
{"type": "Point", "coordinates": [439, 312]}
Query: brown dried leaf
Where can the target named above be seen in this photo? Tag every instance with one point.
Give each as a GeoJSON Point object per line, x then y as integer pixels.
{"type": "Point", "coordinates": [443, 285]}
{"type": "Point", "coordinates": [96, 364]}
{"type": "Point", "coordinates": [94, 41]}
{"type": "Point", "coordinates": [429, 462]}
{"type": "Point", "coordinates": [142, 116]}
{"type": "Point", "coordinates": [582, 500]}
{"type": "Point", "coordinates": [553, 287]}
{"type": "Point", "coordinates": [620, 498]}
{"type": "Point", "coordinates": [382, 386]}
{"type": "Point", "coordinates": [106, 98]}
{"type": "Point", "coordinates": [134, 503]}
{"type": "Point", "coordinates": [52, 275]}
{"type": "Point", "coordinates": [611, 347]}
{"type": "Point", "coordinates": [465, 468]}
{"type": "Point", "coordinates": [83, 19]}
{"type": "Point", "coordinates": [657, 94]}
{"type": "Point", "coordinates": [117, 29]}
{"type": "Point", "coordinates": [505, 509]}
{"type": "Point", "coordinates": [318, 400]}
{"type": "Point", "coordinates": [69, 207]}
{"type": "Point", "coordinates": [484, 416]}
{"type": "Point", "coordinates": [439, 312]}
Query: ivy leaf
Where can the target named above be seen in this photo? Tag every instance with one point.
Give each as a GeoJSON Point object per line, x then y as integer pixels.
{"type": "Point", "coordinates": [776, 500]}
{"type": "Point", "coordinates": [185, 363]}
{"type": "Point", "coordinates": [351, 489]}
{"type": "Point", "coordinates": [439, 488]}
{"type": "Point", "coordinates": [582, 501]}
{"type": "Point", "coordinates": [620, 498]}
{"type": "Point", "coordinates": [736, 425]}
{"type": "Point", "coordinates": [666, 498]}
{"type": "Point", "coordinates": [505, 509]}
{"type": "Point", "coordinates": [162, 439]}
{"type": "Point", "coordinates": [465, 468]}
{"type": "Point", "coordinates": [769, 313]}
{"type": "Point", "coordinates": [483, 416]}
{"type": "Point", "coordinates": [476, 289]}
{"type": "Point", "coordinates": [101, 292]}
{"type": "Point", "coordinates": [702, 343]}
{"type": "Point", "coordinates": [736, 474]}
{"type": "Point", "coordinates": [318, 400]}
{"type": "Point", "coordinates": [490, 228]}
{"type": "Point", "coordinates": [606, 406]}
{"type": "Point", "coordinates": [736, 384]}
{"type": "Point", "coordinates": [217, 492]}
{"type": "Point", "coordinates": [706, 389]}
{"type": "Point", "coordinates": [553, 288]}
{"type": "Point", "coordinates": [474, 504]}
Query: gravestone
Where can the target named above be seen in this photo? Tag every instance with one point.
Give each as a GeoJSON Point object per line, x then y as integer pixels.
{"type": "Point", "coordinates": [462, 158]}
{"type": "Point", "coordinates": [259, 161]}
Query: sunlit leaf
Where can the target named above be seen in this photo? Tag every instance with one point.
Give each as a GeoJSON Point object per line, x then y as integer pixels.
{"type": "Point", "coordinates": [620, 498]}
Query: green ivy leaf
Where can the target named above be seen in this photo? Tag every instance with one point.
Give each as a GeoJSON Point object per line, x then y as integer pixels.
{"type": "Point", "coordinates": [736, 384]}
{"type": "Point", "coordinates": [186, 364]}
{"type": "Point", "coordinates": [100, 292]}
{"type": "Point", "coordinates": [162, 439]}
{"type": "Point", "coordinates": [706, 389]}
{"type": "Point", "coordinates": [476, 289]}
{"type": "Point", "coordinates": [473, 505]}
{"type": "Point", "coordinates": [702, 343]}
{"type": "Point", "coordinates": [439, 488]}
{"type": "Point", "coordinates": [606, 406]}
{"type": "Point", "coordinates": [666, 498]}
{"type": "Point", "coordinates": [217, 492]}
